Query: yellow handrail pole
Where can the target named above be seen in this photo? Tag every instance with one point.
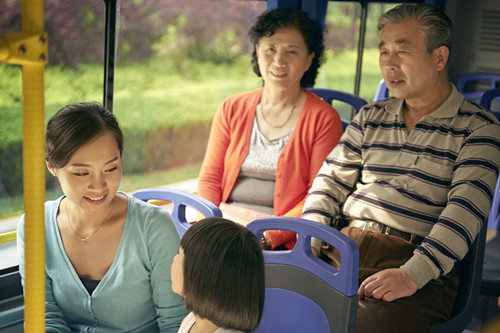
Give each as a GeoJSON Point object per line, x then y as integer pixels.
{"type": "Point", "coordinates": [34, 175]}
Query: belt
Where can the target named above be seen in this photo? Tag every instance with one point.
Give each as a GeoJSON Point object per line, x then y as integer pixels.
{"type": "Point", "coordinates": [381, 228]}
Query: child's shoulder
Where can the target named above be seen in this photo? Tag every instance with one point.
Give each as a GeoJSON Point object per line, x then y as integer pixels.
{"type": "Point", "coordinates": [225, 330]}
{"type": "Point", "coordinates": [187, 323]}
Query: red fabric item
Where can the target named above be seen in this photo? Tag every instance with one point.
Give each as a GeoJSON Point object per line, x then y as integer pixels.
{"type": "Point", "coordinates": [281, 237]}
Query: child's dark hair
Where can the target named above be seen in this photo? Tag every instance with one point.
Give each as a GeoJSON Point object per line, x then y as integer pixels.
{"type": "Point", "coordinates": [74, 126]}
{"type": "Point", "coordinates": [223, 274]}
{"type": "Point", "coordinates": [269, 22]}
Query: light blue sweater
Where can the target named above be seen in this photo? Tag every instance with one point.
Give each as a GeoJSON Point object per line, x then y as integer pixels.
{"type": "Point", "coordinates": [136, 293]}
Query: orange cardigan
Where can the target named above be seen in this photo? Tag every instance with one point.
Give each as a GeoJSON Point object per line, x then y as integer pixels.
{"type": "Point", "coordinates": [317, 131]}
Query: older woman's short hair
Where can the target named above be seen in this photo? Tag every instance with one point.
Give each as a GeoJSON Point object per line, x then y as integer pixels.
{"type": "Point", "coordinates": [436, 26]}
{"type": "Point", "coordinates": [74, 126]}
{"type": "Point", "coordinates": [223, 274]}
{"type": "Point", "coordinates": [269, 22]}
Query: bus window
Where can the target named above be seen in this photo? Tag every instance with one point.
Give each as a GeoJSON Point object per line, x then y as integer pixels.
{"type": "Point", "coordinates": [73, 74]}
{"type": "Point", "coordinates": [173, 70]}
{"type": "Point", "coordinates": [371, 74]}
{"type": "Point", "coordinates": [176, 61]}
{"type": "Point", "coordinates": [11, 127]}
{"type": "Point", "coordinates": [342, 33]}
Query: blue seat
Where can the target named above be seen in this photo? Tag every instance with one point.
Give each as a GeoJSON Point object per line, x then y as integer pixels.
{"type": "Point", "coordinates": [181, 200]}
{"type": "Point", "coordinates": [490, 285]}
{"type": "Point", "coordinates": [487, 98]}
{"type": "Point", "coordinates": [469, 286]}
{"type": "Point", "coordinates": [303, 293]}
{"type": "Point", "coordinates": [382, 91]}
{"type": "Point", "coordinates": [480, 82]}
{"type": "Point", "coordinates": [329, 95]}
{"type": "Point", "coordinates": [494, 215]}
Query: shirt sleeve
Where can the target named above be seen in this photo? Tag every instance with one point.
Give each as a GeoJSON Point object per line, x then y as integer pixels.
{"type": "Point", "coordinates": [163, 245]}
{"type": "Point", "coordinates": [336, 178]}
{"type": "Point", "coordinates": [468, 204]}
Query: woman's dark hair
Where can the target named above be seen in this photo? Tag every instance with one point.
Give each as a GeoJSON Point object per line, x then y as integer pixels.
{"type": "Point", "coordinates": [269, 22]}
{"type": "Point", "coordinates": [74, 126]}
{"type": "Point", "coordinates": [223, 274]}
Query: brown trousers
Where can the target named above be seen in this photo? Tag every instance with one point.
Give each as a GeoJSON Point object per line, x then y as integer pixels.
{"type": "Point", "coordinates": [428, 307]}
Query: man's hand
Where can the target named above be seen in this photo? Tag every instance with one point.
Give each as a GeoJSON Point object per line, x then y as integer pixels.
{"type": "Point", "coordinates": [388, 285]}
{"type": "Point", "coordinates": [265, 244]}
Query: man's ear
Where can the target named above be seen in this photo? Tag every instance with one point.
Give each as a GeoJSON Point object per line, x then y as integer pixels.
{"type": "Point", "coordinates": [51, 169]}
{"type": "Point", "coordinates": [442, 55]}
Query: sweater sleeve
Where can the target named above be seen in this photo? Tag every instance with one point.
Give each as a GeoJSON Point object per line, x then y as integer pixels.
{"type": "Point", "coordinates": [319, 131]}
{"type": "Point", "coordinates": [54, 318]}
{"type": "Point", "coordinates": [163, 245]}
{"type": "Point", "coordinates": [322, 132]}
{"type": "Point", "coordinates": [325, 141]}
{"type": "Point", "coordinates": [327, 136]}
{"type": "Point", "coordinates": [212, 169]}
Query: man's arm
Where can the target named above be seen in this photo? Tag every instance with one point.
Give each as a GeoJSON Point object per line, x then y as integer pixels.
{"type": "Point", "coordinates": [335, 180]}
{"type": "Point", "coordinates": [469, 201]}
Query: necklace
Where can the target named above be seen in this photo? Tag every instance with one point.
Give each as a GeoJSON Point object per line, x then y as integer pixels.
{"type": "Point", "coordinates": [84, 239]}
{"type": "Point", "coordinates": [260, 108]}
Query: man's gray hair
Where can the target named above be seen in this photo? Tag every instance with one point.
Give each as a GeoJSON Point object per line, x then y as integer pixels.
{"type": "Point", "coordinates": [437, 27]}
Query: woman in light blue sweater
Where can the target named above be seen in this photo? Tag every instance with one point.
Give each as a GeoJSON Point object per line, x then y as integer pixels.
{"type": "Point", "coordinates": [108, 255]}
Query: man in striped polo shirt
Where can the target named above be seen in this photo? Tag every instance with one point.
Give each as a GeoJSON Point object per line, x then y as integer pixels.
{"type": "Point", "coordinates": [411, 180]}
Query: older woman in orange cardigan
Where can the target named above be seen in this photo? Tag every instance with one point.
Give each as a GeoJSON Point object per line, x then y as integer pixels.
{"type": "Point", "coordinates": [267, 145]}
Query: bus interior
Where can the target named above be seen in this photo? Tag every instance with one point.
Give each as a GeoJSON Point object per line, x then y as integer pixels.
{"type": "Point", "coordinates": [103, 64]}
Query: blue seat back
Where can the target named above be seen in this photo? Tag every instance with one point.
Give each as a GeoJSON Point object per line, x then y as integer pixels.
{"type": "Point", "coordinates": [490, 286]}
{"type": "Point", "coordinates": [491, 269]}
{"type": "Point", "coordinates": [303, 293]}
{"type": "Point", "coordinates": [485, 80]}
{"type": "Point", "coordinates": [494, 216]}
{"type": "Point", "coordinates": [180, 200]}
{"type": "Point", "coordinates": [329, 95]}
{"type": "Point", "coordinates": [382, 91]}
{"type": "Point", "coordinates": [486, 100]}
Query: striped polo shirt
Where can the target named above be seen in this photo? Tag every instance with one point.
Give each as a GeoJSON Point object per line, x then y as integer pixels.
{"type": "Point", "coordinates": [437, 181]}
